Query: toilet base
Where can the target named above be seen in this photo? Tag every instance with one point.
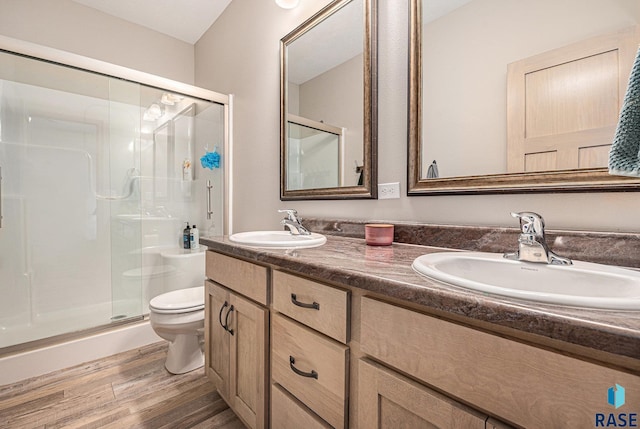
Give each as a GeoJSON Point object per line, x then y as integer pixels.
{"type": "Point", "coordinates": [185, 354]}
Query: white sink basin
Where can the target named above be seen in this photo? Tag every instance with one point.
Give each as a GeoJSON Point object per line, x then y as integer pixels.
{"type": "Point", "coordinates": [582, 284]}
{"type": "Point", "coordinates": [278, 239]}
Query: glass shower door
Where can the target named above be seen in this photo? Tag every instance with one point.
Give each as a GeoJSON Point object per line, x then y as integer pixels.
{"type": "Point", "coordinates": [121, 166]}
{"type": "Point", "coordinates": [59, 173]}
{"type": "Point", "coordinates": [99, 177]}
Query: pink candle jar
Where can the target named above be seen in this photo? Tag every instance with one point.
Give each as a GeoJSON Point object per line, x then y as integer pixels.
{"type": "Point", "coordinates": [378, 234]}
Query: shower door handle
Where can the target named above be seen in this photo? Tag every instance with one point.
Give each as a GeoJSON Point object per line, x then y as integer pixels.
{"type": "Point", "coordinates": [209, 187]}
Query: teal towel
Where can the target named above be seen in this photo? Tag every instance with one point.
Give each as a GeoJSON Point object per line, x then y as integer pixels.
{"type": "Point", "coordinates": [624, 157]}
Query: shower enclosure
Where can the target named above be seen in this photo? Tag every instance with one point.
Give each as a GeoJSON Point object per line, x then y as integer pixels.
{"type": "Point", "coordinates": [100, 174]}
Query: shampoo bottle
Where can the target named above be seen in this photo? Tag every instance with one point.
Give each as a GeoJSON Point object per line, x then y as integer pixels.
{"type": "Point", "coordinates": [195, 238]}
{"type": "Point", "coordinates": [186, 237]}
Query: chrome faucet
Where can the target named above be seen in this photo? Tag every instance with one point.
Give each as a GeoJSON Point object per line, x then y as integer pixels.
{"type": "Point", "coordinates": [293, 223]}
{"type": "Point", "coordinates": [532, 246]}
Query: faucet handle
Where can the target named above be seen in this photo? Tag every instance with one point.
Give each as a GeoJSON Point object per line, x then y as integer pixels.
{"type": "Point", "coordinates": [292, 214]}
{"type": "Point", "coordinates": [530, 223]}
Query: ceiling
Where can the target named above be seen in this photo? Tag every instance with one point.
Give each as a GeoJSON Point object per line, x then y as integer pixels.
{"type": "Point", "coordinates": [186, 20]}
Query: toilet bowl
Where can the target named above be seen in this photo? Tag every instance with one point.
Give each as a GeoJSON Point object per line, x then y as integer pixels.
{"type": "Point", "coordinates": [178, 317]}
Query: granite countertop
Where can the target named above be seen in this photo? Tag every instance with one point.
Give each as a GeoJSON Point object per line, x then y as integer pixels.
{"type": "Point", "coordinates": [387, 271]}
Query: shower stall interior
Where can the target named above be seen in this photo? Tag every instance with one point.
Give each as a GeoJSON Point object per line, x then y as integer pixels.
{"type": "Point", "coordinates": [100, 174]}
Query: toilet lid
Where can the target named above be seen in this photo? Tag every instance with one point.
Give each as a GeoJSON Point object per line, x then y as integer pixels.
{"type": "Point", "coordinates": [179, 301]}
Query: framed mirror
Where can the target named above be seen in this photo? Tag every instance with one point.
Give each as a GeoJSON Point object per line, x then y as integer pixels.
{"type": "Point", "coordinates": [328, 96]}
{"type": "Point", "coordinates": [515, 97]}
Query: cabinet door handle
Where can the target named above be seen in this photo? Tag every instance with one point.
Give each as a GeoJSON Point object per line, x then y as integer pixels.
{"type": "Point", "coordinates": [313, 305]}
{"type": "Point", "coordinates": [220, 315]}
{"type": "Point", "coordinates": [311, 374]}
{"type": "Point", "coordinates": [226, 321]}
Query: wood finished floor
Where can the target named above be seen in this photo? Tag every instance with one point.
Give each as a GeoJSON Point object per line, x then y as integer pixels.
{"type": "Point", "coordinates": [127, 390]}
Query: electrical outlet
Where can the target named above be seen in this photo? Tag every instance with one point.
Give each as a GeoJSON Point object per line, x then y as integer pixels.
{"type": "Point", "coordinates": [388, 190]}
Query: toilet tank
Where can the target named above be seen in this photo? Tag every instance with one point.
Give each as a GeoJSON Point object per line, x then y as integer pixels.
{"type": "Point", "coordinates": [189, 267]}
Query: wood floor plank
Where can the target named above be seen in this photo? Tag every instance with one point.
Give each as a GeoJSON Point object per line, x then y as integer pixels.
{"type": "Point", "coordinates": [142, 414]}
{"type": "Point", "coordinates": [141, 400]}
{"type": "Point", "coordinates": [90, 367]}
{"type": "Point", "coordinates": [224, 420]}
{"type": "Point", "coordinates": [128, 390]}
{"type": "Point", "coordinates": [91, 373]}
{"type": "Point", "coordinates": [138, 383]}
{"type": "Point", "coordinates": [20, 409]}
{"type": "Point", "coordinates": [138, 401]}
{"type": "Point", "coordinates": [191, 413]}
{"type": "Point", "coordinates": [62, 409]}
{"type": "Point", "coordinates": [93, 421]}
{"type": "Point", "coordinates": [146, 365]}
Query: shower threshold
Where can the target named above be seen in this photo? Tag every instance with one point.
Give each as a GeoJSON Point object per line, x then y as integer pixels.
{"type": "Point", "coordinates": [70, 336]}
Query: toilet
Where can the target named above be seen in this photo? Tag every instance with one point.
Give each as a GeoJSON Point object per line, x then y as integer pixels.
{"type": "Point", "coordinates": [178, 315]}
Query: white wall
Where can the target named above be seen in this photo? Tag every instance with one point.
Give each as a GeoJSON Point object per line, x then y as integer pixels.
{"type": "Point", "coordinates": [72, 27]}
{"type": "Point", "coordinates": [240, 55]}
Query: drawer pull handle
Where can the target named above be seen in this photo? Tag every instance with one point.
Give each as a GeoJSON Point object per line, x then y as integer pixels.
{"type": "Point", "coordinates": [220, 315]}
{"type": "Point", "coordinates": [226, 321]}
{"type": "Point", "coordinates": [313, 305]}
{"type": "Point", "coordinates": [311, 374]}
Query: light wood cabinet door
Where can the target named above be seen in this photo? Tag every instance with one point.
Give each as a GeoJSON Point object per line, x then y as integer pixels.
{"type": "Point", "coordinates": [216, 337]}
{"type": "Point", "coordinates": [388, 400]}
{"type": "Point", "coordinates": [247, 326]}
{"type": "Point", "coordinates": [236, 346]}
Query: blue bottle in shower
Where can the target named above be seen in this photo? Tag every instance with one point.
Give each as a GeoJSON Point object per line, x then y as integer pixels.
{"type": "Point", "coordinates": [186, 237]}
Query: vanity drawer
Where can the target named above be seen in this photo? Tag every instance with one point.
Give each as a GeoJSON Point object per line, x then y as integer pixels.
{"type": "Point", "coordinates": [289, 413]}
{"type": "Point", "coordinates": [243, 277]}
{"type": "Point", "coordinates": [312, 367]}
{"type": "Point", "coordinates": [523, 384]}
{"type": "Point", "coordinates": [323, 308]}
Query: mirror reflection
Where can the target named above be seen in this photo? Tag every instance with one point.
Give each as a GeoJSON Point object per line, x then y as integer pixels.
{"type": "Point", "coordinates": [327, 118]}
{"type": "Point", "coordinates": [314, 158]}
{"type": "Point", "coordinates": [506, 88]}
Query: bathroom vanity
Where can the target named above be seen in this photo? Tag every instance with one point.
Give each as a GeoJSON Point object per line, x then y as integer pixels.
{"type": "Point", "coordinates": [349, 336]}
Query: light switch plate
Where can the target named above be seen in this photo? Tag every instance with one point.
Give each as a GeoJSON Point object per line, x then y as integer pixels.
{"type": "Point", "coordinates": [388, 190]}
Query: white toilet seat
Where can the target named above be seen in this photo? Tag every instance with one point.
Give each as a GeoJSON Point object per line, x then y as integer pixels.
{"type": "Point", "coordinates": [178, 301]}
